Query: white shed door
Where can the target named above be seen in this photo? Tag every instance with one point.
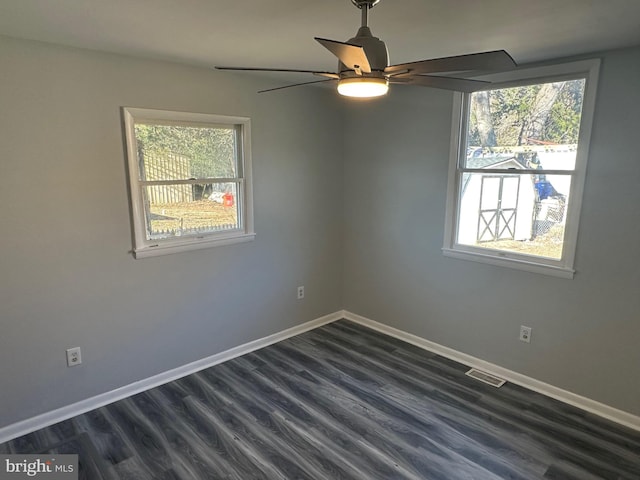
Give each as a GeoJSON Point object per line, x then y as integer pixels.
{"type": "Point", "coordinates": [498, 207]}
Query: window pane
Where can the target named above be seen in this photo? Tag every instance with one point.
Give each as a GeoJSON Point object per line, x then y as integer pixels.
{"type": "Point", "coordinates": [174, 152]}
{"type": "Point", "coordinates": [192, 209]}
{"type": "Point", "coordinates": [522, 213]}
{"type": "Point", "coordinates": [533, 126]}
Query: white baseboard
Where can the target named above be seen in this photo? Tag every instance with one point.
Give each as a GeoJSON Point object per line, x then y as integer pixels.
{"type": "Point", "coordinates": [49, 418]}
{"type": "Point", "coordinates": [619, 416]}
{"type": "Point", "coordinates": [58, 415]}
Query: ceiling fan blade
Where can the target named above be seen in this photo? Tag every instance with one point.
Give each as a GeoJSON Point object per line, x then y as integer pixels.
{"type": "Point", "coordinates": [285, 70]}
{"type": "Point", "coordinates": [295, 85]}
{"type": "Point", "coordinates": [352, 56]}
{"type": "Point", "coordinates": [333, 76]}
{"type": "Point", "coordinates": [446, 83]}
{"type": "Point", "coordinates": [497, 60]}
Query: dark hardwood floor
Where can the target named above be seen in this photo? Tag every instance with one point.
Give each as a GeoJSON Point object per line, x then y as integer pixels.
{"type": "Point", "coordinates": [339, 402]}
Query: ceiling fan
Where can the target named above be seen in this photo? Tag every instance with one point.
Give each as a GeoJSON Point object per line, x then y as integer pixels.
{"type": "Point", "coordinates": [364, 70]}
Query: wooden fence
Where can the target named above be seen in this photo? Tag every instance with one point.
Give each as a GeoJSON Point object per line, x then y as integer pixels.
{"type": "Point", "coordinates": [171, 166]}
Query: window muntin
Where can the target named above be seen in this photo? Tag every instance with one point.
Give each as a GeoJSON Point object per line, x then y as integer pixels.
{"type": "Point", "coordinates": [519, 154]}
{"type": "Point", "coordinates": [189, 178]}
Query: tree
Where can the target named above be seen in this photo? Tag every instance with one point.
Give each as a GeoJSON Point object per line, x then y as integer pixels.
{"type": "Point", "coordinates": [481, 110]}
{"type": "Point", "coordinates": [534, 122]}
{"type": "Point", "coordinates": [211, 150]}
{"type": "Point", "coordinates": [543, 113]}
{"type": "Point", "coordinates": [563, 124]}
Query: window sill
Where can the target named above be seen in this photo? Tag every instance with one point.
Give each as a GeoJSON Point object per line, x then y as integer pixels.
{"type": "Point", "coordinates": [170, 247]}
{"type": "Point", "coordinates": [527, 266]}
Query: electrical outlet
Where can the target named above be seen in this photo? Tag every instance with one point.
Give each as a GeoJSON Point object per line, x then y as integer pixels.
{"type": "Point", "coordinates": [525, 334]}
{"type": "Point", "coordinates": [74, 357]}
{"type": "Point", "coordinates": [300, 292]}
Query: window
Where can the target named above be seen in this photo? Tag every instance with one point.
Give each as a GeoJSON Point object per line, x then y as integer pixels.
{"type": "Point", "coordinates": [190, 180]}
{"type": "Point", "coordinates": [518, 160]}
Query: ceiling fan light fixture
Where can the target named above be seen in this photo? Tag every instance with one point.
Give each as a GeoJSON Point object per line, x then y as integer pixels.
{"type": "Point", "coordinates": [364, 70]}
{"type": "Point", "coordinates": [363, 87]}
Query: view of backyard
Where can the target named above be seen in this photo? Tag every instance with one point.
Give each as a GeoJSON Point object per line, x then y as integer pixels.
{"type": "Point", "coordinates": [547, 245]}
{"type": "Point", "coordinates": [515, 182]}
{"type": "Point", "coordinates": [175, 219]}
{"type": "Point", "coordinates": [189, 178]}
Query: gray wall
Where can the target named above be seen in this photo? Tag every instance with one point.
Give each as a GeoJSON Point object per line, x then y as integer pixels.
{"type": "Point", "coordinates": [66, 277]}
{"type": "Point", "coordinates": [585, 331]}
{"type": "Point", "coordinates": [349, 201]}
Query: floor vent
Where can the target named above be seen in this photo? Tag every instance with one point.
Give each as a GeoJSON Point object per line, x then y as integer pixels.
{"type": "Point", "coordinates": [486, 377]}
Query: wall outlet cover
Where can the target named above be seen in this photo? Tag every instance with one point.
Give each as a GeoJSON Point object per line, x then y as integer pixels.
{"type": "Point", "coordinates": [525, 334]}
{"type": "Point", "coordinates": [74, 356]}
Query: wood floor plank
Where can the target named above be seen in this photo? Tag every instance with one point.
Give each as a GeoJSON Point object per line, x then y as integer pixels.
{"type": "Point", "coordinates": [396, 420]}
{"type": "Point", "coordinates": [341, 402]}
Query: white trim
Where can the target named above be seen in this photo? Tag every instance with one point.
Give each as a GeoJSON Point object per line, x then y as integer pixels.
{"type": "Point", "coordinates": [453, 196]}
{"type": "Point", "coordinates": [144, 247]}
{"type": "Point", "coordinates": [592, 67]}
{"type": "Point", "coordinates": [206, 242]}
{"type": "Point", "coordinates": [533, 267]}
{"type": "Point", "coordinates": [541, 72]}
{"type": "Point", "coordinates": [563, 267]}
{"type": "Point", "coordinates": [29, 425]}
{"type": "Point", "coordinates": [605, 411]}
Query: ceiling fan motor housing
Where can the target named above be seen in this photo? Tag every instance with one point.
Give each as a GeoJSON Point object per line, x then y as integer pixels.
{"type": "Point", "coordinates": [374, 48]}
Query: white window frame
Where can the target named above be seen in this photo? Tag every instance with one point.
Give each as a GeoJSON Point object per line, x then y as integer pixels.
{"type": "Point", "coordinates": [144, 247]}
{"type": "Point", "coordinates": [564, 267]}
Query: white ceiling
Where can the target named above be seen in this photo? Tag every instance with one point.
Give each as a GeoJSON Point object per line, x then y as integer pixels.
{"type": "Point", "coordinates": [279, 33]}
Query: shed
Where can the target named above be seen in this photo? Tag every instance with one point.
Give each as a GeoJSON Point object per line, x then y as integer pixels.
{"type": "Point", "coordinates": [496, 206]}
